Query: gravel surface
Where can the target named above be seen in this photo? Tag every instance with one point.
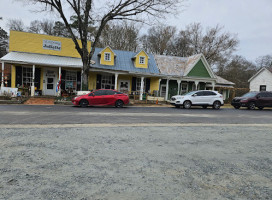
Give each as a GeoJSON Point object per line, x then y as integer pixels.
{"type": "Point", "coordinates": [136, 163]}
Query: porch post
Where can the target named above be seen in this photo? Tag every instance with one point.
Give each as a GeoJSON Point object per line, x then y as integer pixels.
{"type": "Point", "coordinates": [179, 81]}
{"type": "Point", "coordinates": [142, 88]}
{"type": "Point", "coordinates": [196, 84]}
{"type": "Point", "coordinates": [59, 82]}
{"type": "Point", "coordinates": [213, 84]}
{"type": "Point", "coordinates": [2, 80]}
{"type": "Point", "coordinates": [116, 81]}
{"type": "Point", "coordinates": [167, 86]}
{"type": "Point", "coordinates": [33, 79]}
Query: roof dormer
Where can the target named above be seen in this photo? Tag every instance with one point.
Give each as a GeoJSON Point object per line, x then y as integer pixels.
{"type": "Point", "coordinates": [141, 59]}
{"type": "Point", "coordinates": [107, 56]}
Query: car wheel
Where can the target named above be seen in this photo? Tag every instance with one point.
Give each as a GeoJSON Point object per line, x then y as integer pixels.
{"type": "Point", "coordinates": [83, 103]}
{"type": "Point", "coordinates": [260, 107]}
{"type": "Point", "coordinates": [177, 106]}
{"type": "Point", "coordinates": [216, 105]}
{"type": "Point", "coordinates": [187, 104]}
{"type": "Point", "coordinates": [119, 104]}
{"type": "Point", "coordinates": [204, 107]}
{"type": "Point", "coordinates": [251, 106]}
{"type": "Point", "coordinates": [236, 107]}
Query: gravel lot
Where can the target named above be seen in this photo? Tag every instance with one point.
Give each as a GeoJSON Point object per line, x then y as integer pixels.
{"type": "Point", "coordinates": [194, 162]}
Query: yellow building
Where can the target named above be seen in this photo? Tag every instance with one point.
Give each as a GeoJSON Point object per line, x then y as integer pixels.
{"type": "Point", "coordinates": [41, 62]}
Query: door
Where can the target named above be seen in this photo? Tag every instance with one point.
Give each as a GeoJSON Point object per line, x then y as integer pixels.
{"type": "Point", "coordinates": [98, 98]}
{"type": "Point", "coordinates": [198, 98]}
{"type": "Point", "coordinates": [124, 86]}
{"type": "Point", "coordinates": [50, 81]}
{"type": "Point", "coordinates": [163, 90]}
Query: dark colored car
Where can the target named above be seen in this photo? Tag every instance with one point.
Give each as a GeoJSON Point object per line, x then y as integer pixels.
{"type": "Point", "coordinates": [252, 100]}
{"type": "Point", "coordinates": [102, 98]}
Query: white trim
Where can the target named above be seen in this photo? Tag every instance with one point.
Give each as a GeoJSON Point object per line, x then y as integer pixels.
{"type": "Point", "coordinates": [140, 52]}
{"type": "Point", "coordinates": [108, 53]}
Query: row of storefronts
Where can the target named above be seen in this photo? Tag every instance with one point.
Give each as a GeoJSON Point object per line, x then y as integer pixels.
{"type": "Point", "coordinates": [48, 65]}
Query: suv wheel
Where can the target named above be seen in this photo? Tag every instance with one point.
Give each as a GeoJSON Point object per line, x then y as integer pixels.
{"type": "Point", "coordinates": [216, 105]}
{"type": "Point", "coordinates": [251, 106]}
{"type": "Point", "coordinates": [187, 104]}
{"type": "Point", "coordinates": [236, 107]}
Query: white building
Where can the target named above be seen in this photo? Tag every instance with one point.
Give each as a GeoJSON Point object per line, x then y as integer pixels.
{"type": "Point", "coordinates": [262, 80]}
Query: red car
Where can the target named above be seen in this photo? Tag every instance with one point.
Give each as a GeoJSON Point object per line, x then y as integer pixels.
{"type": "Point", "coordinates": [102, 98]}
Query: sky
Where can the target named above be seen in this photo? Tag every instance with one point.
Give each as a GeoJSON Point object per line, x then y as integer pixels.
{"type": "Point", "coordinates": [251, 20]}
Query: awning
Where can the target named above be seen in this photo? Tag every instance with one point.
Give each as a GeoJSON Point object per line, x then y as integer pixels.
{"type": "Point", "coordinates": [41, 59]}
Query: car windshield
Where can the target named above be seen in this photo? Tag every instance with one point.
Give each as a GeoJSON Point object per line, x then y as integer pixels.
{"type": "Point", "coordinates": [250, 94]}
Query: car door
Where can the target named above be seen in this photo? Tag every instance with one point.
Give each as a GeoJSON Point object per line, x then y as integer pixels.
{"type": "Point", "coordinates": [98, 98]}
{"type": "Point", "coordinates": [109, 97]}
{"type": "Point", "coordinates": [197, 98]}
{"type": "Point", "coordinates": [209, 97]}
{"type": "Point", "coordinates": [269, 99]}
{"type": "Point", "coordinates": [262, 99]}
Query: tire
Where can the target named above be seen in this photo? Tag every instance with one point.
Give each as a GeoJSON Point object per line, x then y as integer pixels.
{"type": "Point", "coordinates": [260, 107]}
{"type": "Point", "coordinates": [83, 103]}
{"type": "Point", "coordinates": [119, 104]}
{"type": "Point", "coordinates": [204, 107]}
{"type": "Point", "coordinates": [251, 106]}
{"type": "Point", "coordinates": [187, 105]}
{"type": "Point", "coordinates": [216, 105]}
{"type": "Point", "coordinates": [177, 106]}
{"type": "Point", "coordinates": [236, 107]}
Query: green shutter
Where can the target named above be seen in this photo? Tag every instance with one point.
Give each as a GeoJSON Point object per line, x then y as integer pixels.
{"type": "Point", "coordinates": [199, 70]}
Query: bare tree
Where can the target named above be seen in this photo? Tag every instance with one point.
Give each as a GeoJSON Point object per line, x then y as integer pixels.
{"type": "Point", "coordinates": [122, 36]}
{"type": "Point", "coordinates": [35, 26]}
{"type": "Point", "coordinates": [158, 39]}
{"type": "Point", "coordinates": [3, 42]}
{"type": "Point", "coordinates": [264, 61]}
{"type": "Point", "coordinates": [16, 25]}
{"type": "Point", "coordinates": [111, 10]}
{"type": "Point", "coordinates": [214, 44]}
{"type": "Point", "coordinates": [47, 27]}
{"type": "Point", "coordinates": [238, 70]}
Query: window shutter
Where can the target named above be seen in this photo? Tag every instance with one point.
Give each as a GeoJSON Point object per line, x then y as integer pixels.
{"type": "Point", "coordinates": [133, 87]}
{"type": "Point", "coordinates": [63, 77]}
{"type": "Point", "coordinates": [78, 81]}
{"type": "Point", "coordinates": [19, 77]}
{"type": "Point", "coordinates": [98, 81]}
{"type": "Point", "coordinates": [147, 86]}
{"type": "Point", "coordinates": [37, 78]}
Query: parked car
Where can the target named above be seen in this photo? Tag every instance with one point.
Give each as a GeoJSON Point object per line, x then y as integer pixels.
{"type": "Point", "coordinates": [202, 98]}
{"type": "Point", "coordinates": [102, 97]}
{"type": "Point", "coordinates": [252, 100]}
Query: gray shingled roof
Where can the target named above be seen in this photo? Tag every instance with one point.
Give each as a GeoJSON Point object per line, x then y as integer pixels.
{"type": "Point", "coordinates": [176, 66]}
{"type": "Point", "coordinates": [222, 81]}
{"type": "Point", "coordinates": [123, 62]}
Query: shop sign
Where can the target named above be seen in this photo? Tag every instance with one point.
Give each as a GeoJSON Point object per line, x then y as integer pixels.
{"type": "Point", "coordinates": [52, 45]}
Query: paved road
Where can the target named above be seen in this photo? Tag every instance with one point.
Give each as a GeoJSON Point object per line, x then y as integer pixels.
{"type": "Point", "coordinates": [59, 114]}
{"type": "Point", "coordinates": [160, 153]}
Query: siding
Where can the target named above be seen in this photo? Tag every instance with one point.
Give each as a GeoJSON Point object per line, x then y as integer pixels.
{"type": "Point", "coordinates": [264, 78]}
{"type": "Point", "coordinates": [199, 70]}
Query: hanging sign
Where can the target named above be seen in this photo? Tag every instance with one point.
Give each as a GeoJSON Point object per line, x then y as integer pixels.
{"type": "Point", "coordinates": [52, 45]}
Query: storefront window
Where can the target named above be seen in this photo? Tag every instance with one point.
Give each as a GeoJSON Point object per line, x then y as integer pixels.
{"type": "Point", "coordinates": [71, 80]}
{"type": "Point", "coordinates": [106, 82]}
{"type": "Point", "coordinates": [27, 76]}
{"type": "Point", "coordinates": [138, 84]}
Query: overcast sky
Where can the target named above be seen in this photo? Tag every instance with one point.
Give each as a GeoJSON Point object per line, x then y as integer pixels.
{"type": "Point", "coordinates": [251, 20]}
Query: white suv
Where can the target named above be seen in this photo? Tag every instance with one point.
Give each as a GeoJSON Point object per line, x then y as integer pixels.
{"type": "Point", "coordinates": [202, 98]}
